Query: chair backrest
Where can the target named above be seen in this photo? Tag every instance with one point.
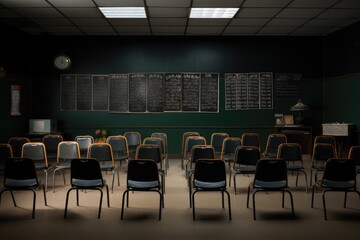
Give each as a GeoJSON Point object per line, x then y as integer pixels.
{"type": "Point", "coordinates": [149, 151]}
{"type": "Point", "coordinates": [323, 151]}
{"type": "Point", "coordinates": [202, 151]}
{"type": "Point", "coordinates": [163, 136]}
{"type": "Point", "coordinates": [340, 169]}
{"type": "Point", "coordinates": [354, 153]}
{"type": "Point", "coordinates": [250, 139]}
{"type": "Point", "coordinates": [217, 140]}
{"type": "Point", "coordinates": [118, 144]}
{"type": "Point", "coordinates": [51, 143]}
{"type": "Point", "coordinates": [155, 141]}
{"type": "Point", "coordinates": [271, 170]}
{"type": "Point", "coordinates": [16, 145]}
{"type": "Point", "coordinates": [133, 138]}
{"type": "Point", "coordinates": [326, 139]}
{"type": "Point", "coordinates": [192, 141]}
{"type": "Point", "coordinates": [185, 136]}
{"type": "Point", "coordinates": [67, 150]}
{"type": "Point", "coordinates": [5, 152]}
{"type": "Point", "coordinates": [247, 155]}
{"type": "Point", "coordinates": [101, 152]}
{"type": "Point", "coordinates": [290, 152]}
{"type": "Point", "coordinates": [143, 170]}
{"type": "Point", "coordinates": [273, 142]}
{"type": "Point", "coordinates": [210, 171]}
{"type": "Point", "coordinates": [84, 143]}
{"type": "Point", "coordinates": [85, 169]}
{"type": "Point", "coordinates": [229, 146]}
{"type": "Point", "coordinates": [36, 151]}
{"type": "Point", "coordinates": [19, 169]}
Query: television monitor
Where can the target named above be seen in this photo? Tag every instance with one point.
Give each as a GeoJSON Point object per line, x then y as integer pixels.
{"type": "Point", "coordinates": [41, 126]}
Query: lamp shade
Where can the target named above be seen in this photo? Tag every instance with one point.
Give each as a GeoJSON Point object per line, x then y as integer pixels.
{"type": "Point", "coordinates": [299, 107]}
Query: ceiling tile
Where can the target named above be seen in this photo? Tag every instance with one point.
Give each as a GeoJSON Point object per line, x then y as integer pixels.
{"type": "Point", "coordinates": [24, 3]}
{"type": "Point", "coordinates": [117, 3]}
{"type": "Point", "coordinates": [348, 4]}
{"type": "Point", "coordinates": [275, 30]}
{"type": "Point", "coordinates": [168, 29]}
{"type": "Point", "coordinates": [19, 22]}
{"type": "Point", "coordinates": [61, 29]}
{"type": "Point", "coordinates": [208, 22]}
{"type": "Point", "coordinates": [37, 12]}
{"type": "Point", "coordinates": [90, 21]}
{"type": "Point", "coordinates": [241, 30]}
{"type": "Point", "coordinates": [258, 12]}
{"type": "Point", "coordinates": [299, 13]}
{"type": "Point", "coordinates": [249, 22]}
{"type": "Point", "coordinates": [217, 3]}
{"type": "Point", "coordinates": [32, 31]}
{"type": "Point", "coordinates": [168, 12]}
{"type": "Point", "coordinates": [128, 21]}
{"type": "Point", "coordinates": [72, 3]}
{"type": "Point", "coordinates": [168, 21]}
{"type": "Point", "coordinates": [195, 30]}
{"type": "Point", "coordinates": [168, 3]}
{"type": "Point", "coordinates": [132, 29]}
{"type": "Point", "coordinates": [97, 29]}
{"type": "Point", "coordinates": [341, 13]}
{"type": "Point", "coordinates": [312, 3]}
{"type": "Point", "coordinates": [7, 13]}
{"type": "Point", "coordinates": [266, 3]}
{"type": "Point", "coordinates": [81, 12]}
{"type": "Point", "coordinates": [287, 22]}
{"type": "Point", "coordinates": [61, 21]}
{"type": "Point", "coordinates": [312, 31]}
{"type": "Point", "coordinates": [328, 22]}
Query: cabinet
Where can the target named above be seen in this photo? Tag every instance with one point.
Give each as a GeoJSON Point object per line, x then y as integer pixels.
{"type": "Point", "coordinates": [298, 134]}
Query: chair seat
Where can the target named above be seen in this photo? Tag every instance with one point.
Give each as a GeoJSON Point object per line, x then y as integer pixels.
{"type": "Point", "coordinates": [228, 158]}
{"type": "Point", "coordinates": [245, 169]}
{"type": "Point", "coordinates": [17, 183]}
{"type": "Point", "coordinates": [87, 183]}
{"type": "Point", "coordinates": [295, 168]}
{"type": "Point", "coordinates": [201, 184]}
{"type": "Point", "coordinates": [63, 165]}
{"type": "Point", "coordinates": [120, 156]}
{"type": "Point", "coordinates": [141, 184]}
{"type": "Point", "coordinates": [106, 166]}
{"type": "Point", "coordinates": [337, 184]}
{"type": "Point", "coordinates": [41, 165]}
{"type": "Point", "coordinates": [269, 185]}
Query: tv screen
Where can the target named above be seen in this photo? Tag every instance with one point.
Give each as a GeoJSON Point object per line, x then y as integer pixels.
{"type": "Point", "coordinates": [42, 126]}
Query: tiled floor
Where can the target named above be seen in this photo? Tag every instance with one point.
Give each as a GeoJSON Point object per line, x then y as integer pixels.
{"type": "Point", "coordinates": [141, 219]}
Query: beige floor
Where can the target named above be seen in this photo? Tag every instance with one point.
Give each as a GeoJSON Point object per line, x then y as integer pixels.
{"type": "Point", "coordinates": [212, 222]}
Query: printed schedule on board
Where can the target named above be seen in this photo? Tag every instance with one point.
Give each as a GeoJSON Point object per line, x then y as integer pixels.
{"type": "Point", "coordinates": [245, 91]}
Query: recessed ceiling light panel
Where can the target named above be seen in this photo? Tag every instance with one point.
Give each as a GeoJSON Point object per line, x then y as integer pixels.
{"type": "Point", "coordinates": [123, 12]}
{"type": "Point", "coordinates": [213, 12]}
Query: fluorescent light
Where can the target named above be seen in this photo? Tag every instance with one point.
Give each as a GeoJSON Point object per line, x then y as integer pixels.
{"type": "Point", "coordinates": [213, 12]}
{"type": "Point", "coordinates": [123, 12]}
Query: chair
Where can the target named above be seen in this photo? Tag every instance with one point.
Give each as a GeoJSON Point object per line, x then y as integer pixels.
{"type": "Point", "coordinates": [67, 150]}
{"type": "Point", "coordinates": [189, 143]}
{"type": "Point", "coordinates": [251, 139]}
{"type": "Point", "coordinates": [340, 176]}
{"type": "Point", "coordinates": [16, 144]}
{"type": "Point", "coordinates": [272, 144]}
{"type": "Point", "coordinates": [321, 153]}
{"type": "Point", "coordinates": [51, 143]}
{"type": "Point", "coordinates": [292, 154]}
{"type": "Point", "coordinates": [142, 175]}
{"type": "Point", "coordinates": [326, 139]}
{"type": "Point", "coordinates": [84, 143]}
{"type": "Point", "coordinates": [20, 175]}
{"type": "Point", "coordinates": [210, 175]}
{"type": "Point", "coordinates": [134, 140]}
{"type": "Point", "coordinates": [270, 175]}
{"type": "Point", "coordinates": [228, 149]}
{"type": "Point", "coordinates": [37, 152]}
{"type": "Point", "coordinates": [159, 142]}
{"type": "Point", "coordinates": [246, 158]}
{"type": "Point", "coordinates": [217, 141]}
{"type": "Point", "coordinates": [86, 175]}
{"type": "Point", "coordinates": [119, 147]}
{"type": "Point", "coordinates": [163, 136]}
{"type": "Point", "coordinates": [354, 153]}
{"type": "Point", "coordinates": [5, 154]}
{"type": "Point", "coordinates": [184, 137]}
{"type": "Point", "coordinates": [103, 153]}
{"type": "Point", "coordinates": [152, 151]}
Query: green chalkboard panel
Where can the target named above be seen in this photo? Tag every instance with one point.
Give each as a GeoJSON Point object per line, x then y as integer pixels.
{"type": "Point", "coordinates": [191, 92]}
{"type": "Point", "coordinates": [173, 87]}
{"type": "Point", "coordinates": [155, 92]}
{"type": "Point", "coordinates": [67, 92]}
{"type": "Point", "coordinates": [100, 87]}
{"type": "Point", "coordinates": [137, 92]}
{"type": "Point", "coordinates": [83, 92]}
{"type": "Point", "coordinates": [209, 89]}
{"type": "Point", "coordinates": [119, 93]}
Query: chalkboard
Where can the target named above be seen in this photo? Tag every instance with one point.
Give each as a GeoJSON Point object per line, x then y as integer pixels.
{"type": "Point", "coordinates": [173, 87]}
{"type": "Point", "coordinates": [155, 92]}
{"type": "Point", "coordinates": [191, 92]}
{"type": "Point", "coordinates": [209, 92]}
{"type": "Point", "coordinates": [137, 92]}
{"type": "Point", "coordinates": [83, 92]}
{"type": "Point", "coordinates": [252, 91]}
{"type": "Point", "coordinates": [100, 85]}
{"type": "Point", "coordinates": [287, 85]}
{"type": "Point", "coordinates": [67, 92]}
{"type": "Point", "coordinates": [119, 93]}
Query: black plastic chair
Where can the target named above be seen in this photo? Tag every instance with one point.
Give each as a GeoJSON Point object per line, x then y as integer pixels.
{"type": "Point", "coordinates": [190, 142]}
{"type": "Point", "coordinates": [84, 142]}
{"type": "Point", "coordinates": [292, 154]}
{"type": "Point", "coordinates": [209, 176]}
{"type": "Point", "coordinates": [20, 174]}
{"type": "Point", "coordinates": [51, 143]}
{"type": "Point", "coordinates": [160, 143]}
{"type": "Point", "coordinates": [246, 158]}
{"type": "Point", "coordinates": [217, 141]}
{"type": "Point", "coordinates": [183, 154]}
{"type": "Point", "coordinates": [270, 175]}
{"type": "Point", "coordinates": [5, 153]}
{"type": "Point", "coordinates": [134, 140]}
{"type": "Point", "coordinates": [272, 144]}
{"type": "Point", "coordinates": [339, 176]}
{"type": "Point", "coordinates": [16, 144]}
{"type": "Point", "coordinates": [251, 139]}
{"type": "Point", "coordinates": [321, 153]}
{"type": "Point", "coordinates": [142, 175]}
{"type": "Point", "coordinates": [327, 139]}
{"type": "Point", "coordinates": [119, 147]}
{"type": "Point", "coordinates": [354, 153]}
{"type": "Point", "coordinates": [228, 149]}
{"type": "Point", "coordinates": [86, 175]}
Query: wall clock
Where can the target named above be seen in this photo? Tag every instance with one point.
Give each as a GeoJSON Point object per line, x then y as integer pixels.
{"type": "Point", "coordinates": [62, 62]}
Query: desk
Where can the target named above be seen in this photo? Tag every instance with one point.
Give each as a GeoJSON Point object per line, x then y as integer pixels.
{"type": "Point", "coordinates": [298, 134]}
